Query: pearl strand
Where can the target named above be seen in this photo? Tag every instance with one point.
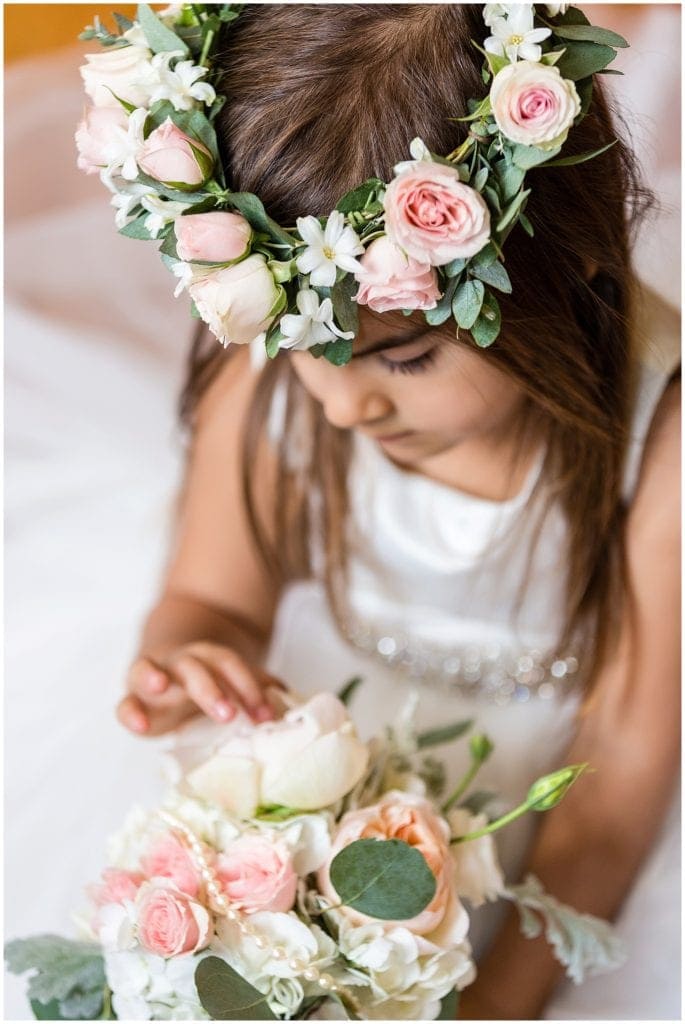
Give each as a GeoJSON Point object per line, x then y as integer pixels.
{"type": "Point", "coordinates": [221, 906]}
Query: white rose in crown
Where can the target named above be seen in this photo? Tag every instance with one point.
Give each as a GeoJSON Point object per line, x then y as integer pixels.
{"type": "Point", "coordinates": [308, 760]}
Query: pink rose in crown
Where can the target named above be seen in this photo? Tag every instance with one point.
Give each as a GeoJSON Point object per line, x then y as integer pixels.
{"type": "Point", "coordinates": [400, 815]}
{"type": "Point", "coordinates": [174, 158]}
{"type": "Point", "coordinates": [168, 921]}
{"type": "Point", "coordinates": [433, 215]}
{"type": "Point", "coordinates": [215, 237]}
{"type": "Point", "coordinates": [94, 137]}
{"type": "Point", "coordinates": [168, 858]}
{"type": "Point", "coordinates": [389, 279]}
{"type": "Point", "coordinates": [533, 105]}
{"type": "Point", "coordinates": [257, 874]}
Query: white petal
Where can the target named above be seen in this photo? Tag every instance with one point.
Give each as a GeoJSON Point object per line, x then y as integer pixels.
{"type": "Point", "coordinates": [493, 45]}
{"type": "Point", "coordinates": [537, 35]}
{"type": "Point", "coordinates": [348, 263]}
{"type": "Point", "coordinates": [324, 274]}
{"type": "Point", "coordinates": [511, 50]}
{"type": "Point", "coordinates": [520, 19]}
{"type": "Point", "coordinates": [308, 302]}
{"type": "Point", "coordinates": [319, 334]}
{"type": "Point", "coordinates": [334, 229]}
{"type": "Point", "coordinates": [309, 259]}
{"type": "Point", "coordinates": [325, 311]}
{"type": "Point", "coordinates": [310, 230]}
{"type": "Point", "coordinates": [292, 325]}
{"type": "Point", "coordinates": [530, 51]}
{"type": "Point", "coordinates": [349, 243]}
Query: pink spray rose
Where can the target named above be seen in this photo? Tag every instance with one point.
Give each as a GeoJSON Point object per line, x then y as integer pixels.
{"type": "Point", "coordinates": [215, 237]}
{"type": "Point", "coordinates": [169, 922]}
{"type": "Point", "coordinates": [390, 279]}
{"type": "Point", "coordinates": [235, 302]}
{"type": "Point", "coordinates": [116, 886]}
{"type": "Point", "coordinates": [412, 819]}
{"type": "Point", "coordinates": [433, 216]}
{"type": "Point", "coordinates": [94, 136]}
{"type": "Point", "coordinates": [172, 157]}
{"type": "Point", "coordinates": [533, 105]}
{"type": "Point", "coordinates": [257, 874]}
{"type": "Point", "coordinates": [167, 858]}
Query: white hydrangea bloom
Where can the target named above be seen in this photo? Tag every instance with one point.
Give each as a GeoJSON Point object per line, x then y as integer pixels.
{"type": "Point", "coordinates": [148, 987]}
{"type": "Point", "coordinates": [514, 36]}
{"type": "Point", "coordinates": [117, 926]}
{"type": "Point", "coordinates": [125, 847]}
{"type": "Point", "coordinates": [327, 249]}
{"type": "Point", "coordinates": [314, 324]}
{"type": "Point", "coordinates": [181, 86]}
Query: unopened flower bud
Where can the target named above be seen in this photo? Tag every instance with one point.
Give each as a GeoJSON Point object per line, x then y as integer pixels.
{"type": "Point", "coordinates": [547, 792]}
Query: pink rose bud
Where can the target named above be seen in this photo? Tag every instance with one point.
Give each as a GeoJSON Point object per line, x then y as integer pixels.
{"type": "Point", "coordinates": [390, 279]}
{"type": "Point", "coordinates": [257, 875]}
{"type": "Point", "coordinates": [172, 157]}
{"type": "Point", "coordinates": [169, 922]}
{"type": "Point", "coordinates": [167, 858]}
{"type": "Point", "coordinates": [533, 105]}
{"type": "Point", "coordinates": [434, 216]}
{"type": "Point", "coordinates": [94, 136]}
{"type": "Point", "coordinates": [214, 237]}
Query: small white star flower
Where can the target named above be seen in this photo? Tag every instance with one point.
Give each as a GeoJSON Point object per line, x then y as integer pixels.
{"type": "Point", "coordinates": [554, 9]}
{"type": "Point", "coordinates": [336, 246]}
{"type": "Point", "coordinates": [514, 36]}
{"type": "Point", "coordinates": [314, 325]}
{"type": "Point", "coordinates": [184, 273]}
{"type": "Point", "coordinates": [126, 196]}
{"type": "Point", "coordinates": [419, 153]}
{"type": "Point", "coordinates": [492, 11]}
{"type": "Point", "coordinates": [180, 86]}
{"type": "Point", "coordinates": [162, 212]}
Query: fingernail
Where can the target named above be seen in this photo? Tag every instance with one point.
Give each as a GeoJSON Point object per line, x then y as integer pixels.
{"type": "Point", "coordinates": [139, 724]}
{"type": "Point", "coordinates": [224, 710]}
{"type": "Point", "coordinates": [156, 681]}
{"type": "Point", "coordinates": [263, 713]}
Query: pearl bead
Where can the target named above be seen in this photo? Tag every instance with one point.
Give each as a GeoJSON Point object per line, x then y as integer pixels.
{"type": "Point", "coordinates": [232, 914]}
{"type": "Point", "coordinates": [245, 927]}
{"type": "Point", "coordinates": [260, 942]}
{"type": "Point", "coordinates": [278, 953]}
{"type": "Point", "coordinates": [311, 974]}
{"type": "Point", "coordinates": [207, 875]}
{"type": "Point", "coordinates": [325, 982]}
{"type": "Point", "coordinates": [297, 964]}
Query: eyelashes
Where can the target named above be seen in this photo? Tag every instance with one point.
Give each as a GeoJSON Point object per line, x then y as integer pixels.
{"type": "Point", "coordinates": [416, 365]}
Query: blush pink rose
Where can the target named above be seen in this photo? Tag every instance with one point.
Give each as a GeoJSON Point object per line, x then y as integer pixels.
{"type": "Point", "coordinates": [123, 71]}
{"type": "Point", "coordinates": [433, 216]}
{"type": "Point", "coordinates": [215, 237]}
{"type": "Point", "coordinates": [167, 858]}
{"type": "Point", "coordinates": [257, 875]}
{"type": "Point", "coordinates": [236, 302]}
{"type": "Point", "coordinates": [169, 922]}
{"type": "Point", "coordinates": [172, 157]}
{"type": "Point", "coordinates": [533, 105]}
{"type": "Point", "coordinates": [94, 137]}
{"type": "Point", "coordinates": [116, 886]}
{"type": "Point", "coordinates": [389, 279]}
{"type": "Point", "coordinates": [412, 819]}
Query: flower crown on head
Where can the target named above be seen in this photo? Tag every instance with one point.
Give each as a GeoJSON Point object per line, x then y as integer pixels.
{"type": "Point", "coordinates": [431, 239]}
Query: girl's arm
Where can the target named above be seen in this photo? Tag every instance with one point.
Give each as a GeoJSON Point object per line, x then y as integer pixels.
{"type": "Point", "coordinates": [203, 640]}
{"type": "Point", "coordinates": [589, 849]}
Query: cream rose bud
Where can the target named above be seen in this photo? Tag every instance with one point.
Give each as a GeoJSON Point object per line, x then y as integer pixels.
{"type": "Point", "coordinates": [168, 921]}
{"type": "Point", "coordinates": [533, 105]}
{"type": "Point", "coordinates": [478, 875]}
{"type": "Point", "coordinates": [214, 237]}
{"type": "Point", "coordinates": [235, 302]}
{"type": "Point", "coordinates": [94, 137]}
{"type": "Point", "coordinates": [389, 279]}
{"type": "Point", "coordinates": [172, 157]}
{"type": "Point", "coordinates": [125, 71]}
{"type": "Point", "coordinates": [434, 216]}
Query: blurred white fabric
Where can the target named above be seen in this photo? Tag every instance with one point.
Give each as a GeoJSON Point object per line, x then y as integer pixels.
{"type": "Point", "coordinates": [94, 351]}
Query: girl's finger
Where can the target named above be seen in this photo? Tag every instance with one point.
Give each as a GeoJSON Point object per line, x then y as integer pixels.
{"type": "Point", "coordinates": [242, 679]}
{"type": "Point", "coordinates": [131, 713]}
{"type": "Point", "coordinates": [145, 678]}
{"type": "Point", "coordinates": [202, 687]}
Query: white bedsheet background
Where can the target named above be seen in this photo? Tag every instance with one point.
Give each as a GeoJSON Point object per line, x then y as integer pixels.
{"type": "Point", "coordinates": [94, 351]}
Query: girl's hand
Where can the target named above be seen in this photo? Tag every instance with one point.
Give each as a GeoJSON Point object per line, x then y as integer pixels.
{"type": "Point", "coordinates": [197, 677]}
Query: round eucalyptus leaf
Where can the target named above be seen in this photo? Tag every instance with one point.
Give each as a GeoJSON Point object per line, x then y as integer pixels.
{"type": "Point", "coordinates": [383, 878]}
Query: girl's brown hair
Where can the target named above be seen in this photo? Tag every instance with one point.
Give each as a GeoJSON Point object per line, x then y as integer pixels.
{"type": "Point", "coordinates": [321, 97]}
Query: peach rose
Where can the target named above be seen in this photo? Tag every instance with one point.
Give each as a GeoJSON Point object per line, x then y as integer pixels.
{"type": "Point", "coordinates": [169, 922]}
{"type": "Point", "coordinates": [167, 858]}
{"type": "Point", "coordinates": [533, 105]}
{"type": "Point", "coordinates": [412, 819]}
{"type": "Point", "coordinates": [172, 157]}
{"type": "Point", "coordinates": [215, 237]}
{"type": "Point", "coordinates": [236, 302]}
{"type": "Point", "coordinates": [94, 137]}
{"type": "Point", "coordinates": [390, 279]}
{"type": "Point", "coordinates": [257, 874]}
{"type": "Point", "coordinates": [116, 886]}
{"type": "Point", "coordinates": [433, 216]}
{"type": "Point", "coordinates": [125, 70]}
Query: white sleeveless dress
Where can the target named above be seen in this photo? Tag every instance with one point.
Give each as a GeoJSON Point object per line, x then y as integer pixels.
{"type": "Point", "coordinates": [435, 577]}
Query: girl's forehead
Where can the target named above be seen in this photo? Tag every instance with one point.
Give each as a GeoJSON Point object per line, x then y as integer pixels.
{"type": "Point", "coordinates": [389, 330]}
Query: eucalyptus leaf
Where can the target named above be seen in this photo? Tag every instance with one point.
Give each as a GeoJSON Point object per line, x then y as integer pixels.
{"type": "Point", "coordinates": [495, 275]}
{"type": "Point", "coordinates": [273, 342]}
{"type": "Point", "coordinates": [168, 246]}
{"type": "Point", "coordinates": [478, 801]}
{"type": "Point", "coordinates": [526, 224]}
{"type": "Point", "coordinates": [484, 258]}
{"type": "Point", "coordinates": [47, 1011]}
{"type": "Point", "coordinates": [443, 310]}
{"type": "Point", "coordinates": [443, 734]}
{"type": "Point", "coordinates": [225, 995]}
{"type": "Point", "coordinates": [571, 16]}
{"type": "Point", "coordinates": [159, 38]}
{"type": "Point", "coordinates": [467, 302]}
{"type": "Point", "coordinates": [488, 323]}
{"type": "Point", "coordinates": [338, 352]}
{"type": "Point", "coordinates": [510, 178]}
{"type": "Point", "coordinates": [358, 197]}
{"type": "Point", "coordinates": [383, 878]}
{"type": "Point", "coordinates": [492, 197]}
{"type": "Point", "coordinates": [253, 210]}
{"type": "Point", "coordinates": [136, 228]}
{"type": "Point", "coordinates": [580, 158]}
{"type": "Point", "coordinates": [590, 34]}
{"type": "Point", "coordinates": [480, 179]}
{"type": "Point", "coordinates": [455, 267]}
{"type": "Point", "coordinates": [583, 59]}
{"type": "Point", "coordinates": [449, 1006]}
{"type": "Point", "coordinates": [513, 208]}
{"type": "Point", "coordinates": [123, 23]}
{"type": "Point", "coordinates": [346, 693]}
{"type": "Point", "coordinates": [584, 90]}
{"type": "Point", "coordinates": [526, 157]}
{"type": "Point", "coordinates": [345, 310]}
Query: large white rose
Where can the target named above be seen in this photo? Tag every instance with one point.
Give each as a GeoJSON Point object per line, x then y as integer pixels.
{"type": "Point", "coordinates": [126, 71]}
{"type": "Point", "coordinates": [235, 302]}
{"type": "Point", "coordinates": [478, 877]}
{"type": "Point", "coordinates": [533, 105]}
{"type": "Point", "coordinates": [308, 760]}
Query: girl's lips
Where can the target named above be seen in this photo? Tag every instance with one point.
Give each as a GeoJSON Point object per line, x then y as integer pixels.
{"type": "Point", "coordinates": [389, 438]}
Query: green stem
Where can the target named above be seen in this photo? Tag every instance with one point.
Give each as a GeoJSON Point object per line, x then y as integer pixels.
{"type": "Point", "coordinates": [494, 825]}
{"type": "Point", "coordinates": [458, 154]}
{"type": "Point", "coordinates": [209, 38]}
{"type": "Point", "coordinates": [462, 787]}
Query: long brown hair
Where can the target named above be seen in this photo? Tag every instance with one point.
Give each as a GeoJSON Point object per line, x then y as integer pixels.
{"type": "Point", "coordinates": [321, 97]}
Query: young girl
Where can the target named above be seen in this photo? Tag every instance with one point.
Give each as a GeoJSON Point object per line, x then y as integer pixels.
{"type": "Point", "coordinates": [498, 528]}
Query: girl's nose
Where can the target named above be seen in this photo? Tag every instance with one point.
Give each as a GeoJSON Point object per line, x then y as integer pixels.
{"type": "Point", "coordinates": [350, 406]}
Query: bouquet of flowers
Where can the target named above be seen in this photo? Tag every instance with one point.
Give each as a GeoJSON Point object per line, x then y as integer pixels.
{"type": "Point", "coordinates": [294, 872]}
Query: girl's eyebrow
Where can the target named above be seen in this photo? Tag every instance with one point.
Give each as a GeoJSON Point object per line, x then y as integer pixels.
{"type": "Point", "coordinates": [388, 343]}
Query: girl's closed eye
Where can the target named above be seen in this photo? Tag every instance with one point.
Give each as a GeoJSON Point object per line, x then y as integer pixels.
{"type": "Point", "coordinates": [416, 364]}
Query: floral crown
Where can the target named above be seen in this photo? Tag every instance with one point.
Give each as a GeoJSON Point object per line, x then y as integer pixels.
{"type": "Point", "coordinates": [431, 239]}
